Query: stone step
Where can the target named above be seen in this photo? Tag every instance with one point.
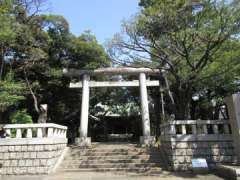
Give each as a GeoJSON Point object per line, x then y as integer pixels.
{"type": "Point", "coordinates": [135, 170]}
{"type": "Point", "coordinates": [115, 150]}
{"type": "Point", "coordinates": [119, 157]}
{"type": "Point", "coordinates": [74, 161]}
{"type": "Point", "coordinates": [112, 153]}
{"type": "Point", "coordinates": [108, 146]}
{"type": "Point", "coordinates": [111, 165]}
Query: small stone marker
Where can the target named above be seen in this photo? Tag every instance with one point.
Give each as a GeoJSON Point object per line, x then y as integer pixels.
{"type": "Point", "coordinates": [199, 165]}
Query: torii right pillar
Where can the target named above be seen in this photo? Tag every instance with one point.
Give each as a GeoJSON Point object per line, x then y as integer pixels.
{"type": "Point", "coordinates": [146, 139]}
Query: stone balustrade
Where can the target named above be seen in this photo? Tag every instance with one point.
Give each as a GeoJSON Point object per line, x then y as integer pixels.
{"type": "Point", "coordinates": [183, 140]}
{"type": "Point", "coordinates": [31, 149]}
{"type": "Point", "coordinates": [45, 130]}
{"type": "Point", "coordinates": [194, 127]}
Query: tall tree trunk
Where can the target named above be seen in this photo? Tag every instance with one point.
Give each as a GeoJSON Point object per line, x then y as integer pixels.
{"type": "Point", "coordinates": [157, 113]}
{"type": "Point", "coordinates": [193, 109]}
{"type": "Point", "coordinates": [183, 99]}
{"type": "Point", "coordinates": [1, 117]}
{"type": "Point", "coordinates": [1, 63]}
{"type": "Point", "coordinates": [42, 110]}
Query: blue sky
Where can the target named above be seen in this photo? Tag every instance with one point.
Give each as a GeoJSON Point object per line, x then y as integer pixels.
{"type": "Point", "coordinates": [102, 17]}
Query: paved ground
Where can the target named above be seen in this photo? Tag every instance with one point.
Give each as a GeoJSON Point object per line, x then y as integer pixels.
{"type": "Point", "coordinates": [110, 176]}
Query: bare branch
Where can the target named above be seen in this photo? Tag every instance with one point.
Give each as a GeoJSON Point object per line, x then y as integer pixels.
{"type": "Point", "coordinates": [31, 91]}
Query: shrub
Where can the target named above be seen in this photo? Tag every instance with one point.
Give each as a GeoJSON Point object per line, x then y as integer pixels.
{"type": "Point", "coordinates": [21, 117]}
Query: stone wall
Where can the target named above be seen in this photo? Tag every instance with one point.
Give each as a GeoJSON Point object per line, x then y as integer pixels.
{"type": "Point", "coordinates": [30, 156]}
{"type": "Point", "coordinates": [180, 153]}
{"type": "Point", "coordinates": [186, 143]}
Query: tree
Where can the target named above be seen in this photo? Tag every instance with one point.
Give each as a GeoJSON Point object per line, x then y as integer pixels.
{"type": "Point", "coordinates": [7, 32]}
{"type": "Point", "coordinates": [36, 47]}
{"type": "Point", "coordinates": [86, 53]}
{"type": "Point", "coordinates": [180, 38]}
{"type": "Point", "coordinates": [11, 93]}
{"type": "Point", "coordinates": [219, 80]}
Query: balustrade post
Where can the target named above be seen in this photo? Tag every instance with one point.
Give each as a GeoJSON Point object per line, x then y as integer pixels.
{"type": "Point", "coordinates": [8, 132]}
{"type": "Point", "coordinates": [215, 129]}
{"type": "Point", "coordinates": [19, 133]}
{"type": "Point", "coordinates": [56, 132]}
{"type": "Point", "coordinates": [226, 129]}
{"type": "Point", "coordinates": [172, 129]}
{"type": "Point", "coordinates": [184, 131]}
{"type": "Point", "coordinates": [60, 132]}
{"type": "Point", "coordinates": [39, 133]}
{"type": "Point", "coordinates": [194, 129]}
{"type": "Point", "coordinates": [50, 132]}
{"type": "Point", "coordinates": [29, 132]}
{"type": "Point", "coordinates": [65, 133]}
{"type": "Point", "coordinates": [205, 130]}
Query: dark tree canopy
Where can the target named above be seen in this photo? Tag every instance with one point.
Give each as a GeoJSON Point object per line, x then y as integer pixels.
{"type": "Point", "coordinates": [181, 38]}
{"type": "Point", "coordinates": [35, 48]}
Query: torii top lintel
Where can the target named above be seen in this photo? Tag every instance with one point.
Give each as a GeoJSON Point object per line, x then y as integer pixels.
{"type": "Point", "coordinates": [111, 71]}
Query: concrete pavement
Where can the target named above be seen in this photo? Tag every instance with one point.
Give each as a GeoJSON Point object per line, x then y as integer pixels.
{"type": "Point", "coordinates": [112, 176]}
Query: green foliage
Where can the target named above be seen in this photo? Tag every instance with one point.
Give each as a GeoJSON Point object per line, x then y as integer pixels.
{"type": "Point", "coordinates": [87, 53]}
{"type": "Point", "coordinates": [11, 92]}
{"type": "Point", "coordinates": [39, 47]}
{"type": "Point", "coordinates": [221, 77]}
{"type": "Point", "coordinates": [21, 117]}
{"type": "Point", "coordinates": [8, 24]}
{"type": "Point", "coordinates": [189, 41]}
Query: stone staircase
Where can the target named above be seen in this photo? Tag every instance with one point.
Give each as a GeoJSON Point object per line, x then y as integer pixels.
{"type": "Point", "coordinates": [118, 158]}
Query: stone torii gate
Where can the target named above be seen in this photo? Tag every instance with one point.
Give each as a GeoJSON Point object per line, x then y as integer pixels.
{"type": "Point", "coordinates": [84, 140]}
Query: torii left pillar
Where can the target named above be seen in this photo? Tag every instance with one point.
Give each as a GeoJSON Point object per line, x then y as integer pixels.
{"type": "Point", "coordinates": [146, 138]}
{"type": "Point", "coordinates": [84, 140]}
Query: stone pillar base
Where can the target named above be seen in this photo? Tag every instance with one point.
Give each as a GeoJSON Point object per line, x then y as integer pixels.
{"type": "Point", "coordinates": [83, 141]}
{"type": "Point", "coordinates": [147, 140]}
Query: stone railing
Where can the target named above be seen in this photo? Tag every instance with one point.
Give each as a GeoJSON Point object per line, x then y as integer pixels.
{"type": "Point", "coordinates": [47, 130]}
{"type": "Point", "coordinates": [31, 149]}
{"type": "Point", "coordinates": [195, 127]}
{"type": "Point", "coordinates": [183, 140]}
